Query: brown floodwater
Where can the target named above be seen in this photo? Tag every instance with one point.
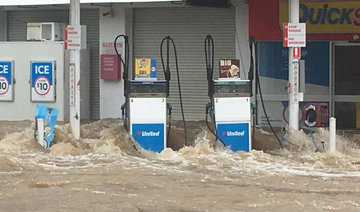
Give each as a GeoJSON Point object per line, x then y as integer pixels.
{"type": "Point", "coordinates": [103, 172]}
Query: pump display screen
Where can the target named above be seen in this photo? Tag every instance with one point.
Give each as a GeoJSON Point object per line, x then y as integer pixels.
{"type": "Point", "coordinates": [232, 87]}
{"type": "Point", "coordinates": [147, 86]}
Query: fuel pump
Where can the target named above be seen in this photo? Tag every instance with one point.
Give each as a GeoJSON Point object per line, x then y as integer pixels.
{"type": "Point", "coordinates": [229, 105]}
{"type": "Point", "coordinates": [145, 110]}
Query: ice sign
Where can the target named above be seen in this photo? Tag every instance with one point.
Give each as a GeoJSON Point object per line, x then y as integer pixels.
{"type": "Point", "coordinates": [42, 69]}
{"type": "Point", "coordinates": [42, 78]}
{"type": "Point", "coordinates": [6, 81]}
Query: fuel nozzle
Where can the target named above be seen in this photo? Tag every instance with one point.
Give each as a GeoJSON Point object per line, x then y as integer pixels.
{"type": "Point", "coordinates": [123, 108]}
{"type": "Point", "coordinates": [208, 107]}
{"type": "Point", "coordinates": [311, 115]}
{"type": "Point", "coordinates": [169, 107]}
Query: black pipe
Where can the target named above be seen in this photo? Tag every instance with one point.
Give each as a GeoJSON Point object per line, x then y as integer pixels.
{"type": "Point", "coordinates": [126, 80]}
{"type": "Point", "coordinates": [167, 75]}
{"type": "Point", "coordinates": [263, 105]}
{"type": "Point", "coordinates": [124, 63]}
{"type": "Point", "coordinates": [209, 59]}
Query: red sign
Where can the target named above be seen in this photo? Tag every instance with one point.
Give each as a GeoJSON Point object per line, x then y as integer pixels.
{"type": "Point", "coordinates": [110, 68]}
{"type": "Point", "coordinates": [72, 37]}
{"type": "Point", "coordinates": [294, 35]}
{"type": "Point", "coordinates": [296, 53]}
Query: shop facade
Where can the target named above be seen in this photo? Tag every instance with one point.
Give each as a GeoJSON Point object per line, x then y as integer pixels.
{"type": "Point", "coordinates": [329, 70]}
{"type": "Point", "coordinates": [145, 24]}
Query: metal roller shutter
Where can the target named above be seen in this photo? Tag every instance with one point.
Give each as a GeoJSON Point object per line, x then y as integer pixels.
{"type": "Point", "coordinates": [188, 27]}
{"type": "Point", "coordinates": [90, 17]}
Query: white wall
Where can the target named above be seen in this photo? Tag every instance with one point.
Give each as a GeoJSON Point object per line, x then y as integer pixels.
{"type": "Point", "coordinates": [22, 108]}
{"type": "Point", "coordinates": [111, 91]}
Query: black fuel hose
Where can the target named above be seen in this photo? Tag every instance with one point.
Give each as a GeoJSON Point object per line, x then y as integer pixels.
{"type": "Point", "coordinates": [212, 131]}
{"type": "Point", "coordinates": [126, 79]}
{"type": "Point", "coordinates": [125, 63]}
{"type": "Point", "coordinates": [125, 74]}
{"type": "Point", "coordinates": [209, 61]}
{"type": "Point", "coordinates": [252, 43]}
{"type": "Point", "coordinates": [167, 75]}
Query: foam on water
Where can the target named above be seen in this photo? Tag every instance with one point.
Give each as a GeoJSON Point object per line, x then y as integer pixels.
{"type": "Point", "coordinates": [103, 171]}
{"type": "Point", "coordinates": [105, 142]}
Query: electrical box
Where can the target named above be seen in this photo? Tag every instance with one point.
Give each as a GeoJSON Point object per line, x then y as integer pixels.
{"type": "Point", "coordinates": [110, 68]}
{"type": "Point", "coordinates": [45, 31]}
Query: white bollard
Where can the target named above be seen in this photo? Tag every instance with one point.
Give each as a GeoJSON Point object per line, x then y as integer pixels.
{"type": "Point", "coordinates": [332, 140]}
{"type": "Point", "coordinates": [40, 132]}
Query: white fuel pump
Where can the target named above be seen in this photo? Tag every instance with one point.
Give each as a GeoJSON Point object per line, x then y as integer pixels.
{"type": "Point", "coordinates": [229, 106]}
{"type": "Point", "coordinates": [145, 111]}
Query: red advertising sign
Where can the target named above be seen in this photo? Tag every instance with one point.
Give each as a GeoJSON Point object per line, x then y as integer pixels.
{"type": "Point", "coordinates": [110, 68]}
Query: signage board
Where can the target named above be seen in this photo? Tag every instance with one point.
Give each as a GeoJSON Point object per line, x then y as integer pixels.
{"type": "Point", "coordinates": [110, 67]}
{"type": "Point", "coordinates": [236, 136]}
{"type": "Point", "coordinates": [75, 37]}
{"type": "Point", "coordinates": [145, 69]}
{"type": "Point", "coordinates": [294, 35]}
{"type": "Point", "coordinates": [108, 47]}
{"type": "Point", "coordinates": [42, 81]}
{"type": "Point", "coordinates": [149, 136]}
{"type": "Point", "coordinates": [296, 53]}
{"type": "Point", "coordinates": [6, 81]}
{"type": "Point", "coordinates": [229, 69]}
{"type": "Point", "coordinates": [325, 16]}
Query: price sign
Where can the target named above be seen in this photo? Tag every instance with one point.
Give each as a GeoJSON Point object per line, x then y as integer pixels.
{"type": "Point", "coordinates": [42, 86]}
{"type": "Point", "coordinates": [42, 81]}
{"type": "Point", "coordinates": [6, 81]}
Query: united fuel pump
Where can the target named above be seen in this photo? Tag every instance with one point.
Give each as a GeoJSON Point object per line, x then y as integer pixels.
{"type": "Point", "coordinates": [229, 106]}
{"type": "Point", "coordinates": [146, 113]}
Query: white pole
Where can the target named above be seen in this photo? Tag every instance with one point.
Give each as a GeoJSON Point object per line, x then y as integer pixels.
{"type": "Point", "coordinates": [40, 132]}
{"type": "Point", "coordinates": [75, 60]}
{"type": "Point", "coordinates": [332, 140]}
{"type": "Point", "coordinates": [293, 73]}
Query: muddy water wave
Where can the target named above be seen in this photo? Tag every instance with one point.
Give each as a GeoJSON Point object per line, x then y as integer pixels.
{"type": "Point", "coordinates": [103, 171]}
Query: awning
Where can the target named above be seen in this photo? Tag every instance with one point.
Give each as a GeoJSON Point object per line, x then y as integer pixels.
{"type": "Point", "coordinates": [52, 2]}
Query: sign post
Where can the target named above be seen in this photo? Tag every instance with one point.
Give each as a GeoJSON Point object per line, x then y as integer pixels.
{"type": "Point", "coordinates": [74, 68]}
{"type": "Point", "coordinates": [6, 81]}
{"type": "Point", "coordinates": [294, 37]}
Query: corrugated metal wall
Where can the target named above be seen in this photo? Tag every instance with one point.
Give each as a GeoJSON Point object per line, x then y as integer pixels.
{"type": "Point", "coordinates": [188, 27]}
{"type": "Point", "coordinates": [90, 17]}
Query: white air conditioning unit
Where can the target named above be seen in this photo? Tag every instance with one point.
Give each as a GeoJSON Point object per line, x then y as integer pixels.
{"type": "Point", "coordinates": [45, 31]}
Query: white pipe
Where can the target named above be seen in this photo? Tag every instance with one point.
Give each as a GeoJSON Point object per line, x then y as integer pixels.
{"type": "Point", "coordinates": [75, 59]}
{"type": "Point", "coordinates": [293, 73]}
{"type": "Point", "coordinates": [332, 140]}
{"type": "Point", "coordinates": [40, 132]}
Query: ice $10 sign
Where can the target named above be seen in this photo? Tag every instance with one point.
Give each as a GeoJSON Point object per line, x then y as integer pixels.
{"type": "Point", "coordinates": [42, 81]}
